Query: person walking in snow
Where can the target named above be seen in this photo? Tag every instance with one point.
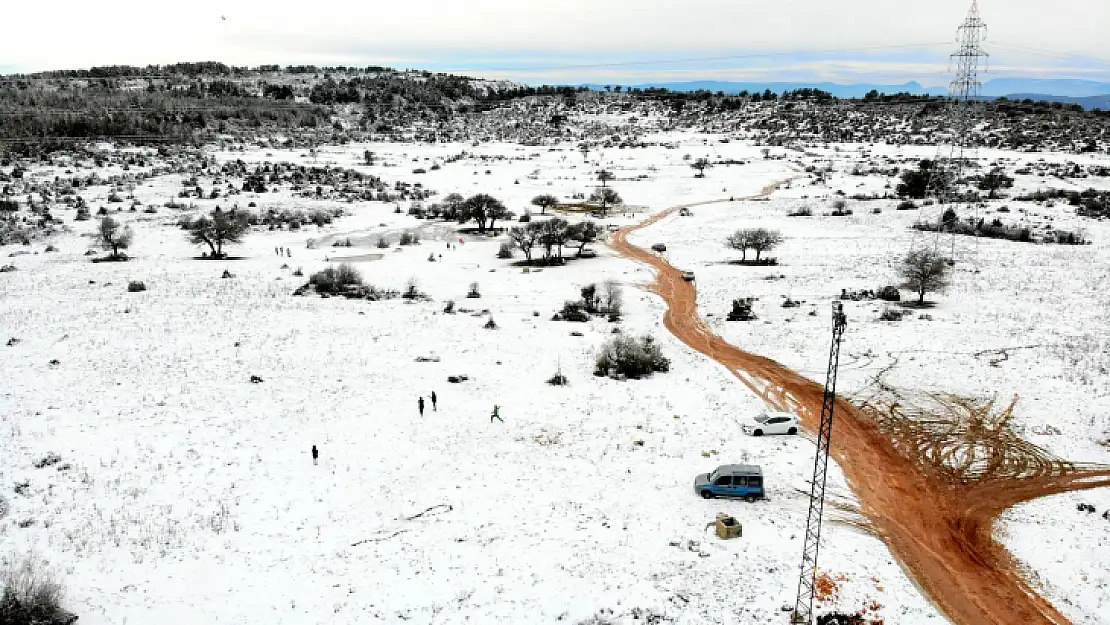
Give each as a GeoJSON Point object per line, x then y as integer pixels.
{"type": "Point", "coordinates": [420, 405]}
{"type": "Point", "coordinates": [434, 401]}
{"type": "Point", "coordinates": [496, 414]}
{"type": "Point", "coordinates": [315, 455]}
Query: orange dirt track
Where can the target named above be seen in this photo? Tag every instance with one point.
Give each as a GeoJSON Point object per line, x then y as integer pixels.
{"type": "Point", "coordinates": [938, 527]}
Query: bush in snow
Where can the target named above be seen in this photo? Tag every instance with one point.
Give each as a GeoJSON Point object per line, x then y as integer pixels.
{"type": "Point", "coordinates": [114, 237]}
{"type": "Point", "coordinates": [449, 308]}
{"type": "Point", "coordinates": [491, 324]}
{"type": "Point", "coordinates": [136, 286]}
{"type": "Point", "coordinates": [409, 238]}
{"type": "Point", "coordinates": [382, 243]}
{"type": "Point", "coordinates": [336, 279]}
{"type": "Point", "coordinates": [574, 311]}
{"type": "Point", "coordinates": [631, 358]}
{"type": "Point", "coordinates": [505, 252]}
{"type": "Point", "coordinates": [742, 309]}
{"type": "Point", "coordinates": [892, 314]}
{"type": "Point", "coordinates": [473, 293]}
{"type": "Point", "coordinates": [31, 595]}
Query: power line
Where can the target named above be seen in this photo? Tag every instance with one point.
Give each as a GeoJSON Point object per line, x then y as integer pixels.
{"type": "Point", "coordinates": [733, 57]}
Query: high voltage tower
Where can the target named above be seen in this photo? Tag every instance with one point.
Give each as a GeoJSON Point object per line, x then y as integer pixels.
{"type": "Point", "coordinates": [964, 97]}
{"type": "Point", "coordinates": [807, 579]}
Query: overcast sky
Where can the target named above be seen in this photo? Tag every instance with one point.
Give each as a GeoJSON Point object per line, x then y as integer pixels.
{"type": "Point", "coordinates": [524, 40]}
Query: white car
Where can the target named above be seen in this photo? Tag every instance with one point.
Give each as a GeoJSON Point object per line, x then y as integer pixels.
{"type": "Point", "coordinates": [772, 423]}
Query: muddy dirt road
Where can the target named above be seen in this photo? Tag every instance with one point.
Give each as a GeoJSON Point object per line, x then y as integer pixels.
{"type": "Point", "coordinates": [938, 521]}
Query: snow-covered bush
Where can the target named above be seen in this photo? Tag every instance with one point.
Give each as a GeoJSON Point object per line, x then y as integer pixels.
{"type": "Point", "coordinates": [335, 279]}
{"type": "Point", "coordinates": [31, 595]}
{"type": "Point", "coordinates": [631, 358]}
{"type": "Point", "coordinates": [574, 311]}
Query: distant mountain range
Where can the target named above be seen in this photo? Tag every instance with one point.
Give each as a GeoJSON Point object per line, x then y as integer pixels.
{"type": "Point", "coordinates": [1087, 93]}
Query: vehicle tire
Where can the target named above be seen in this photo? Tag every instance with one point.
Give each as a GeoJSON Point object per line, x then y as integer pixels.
{"type": "Point", "coordinates": [792, 431]}
{"type": "Point", "coordinates": [757, 433]}
{"type": "Point", "coordinates": [750, 498]}
{"type": "Point", "coordinates": [706, 494]}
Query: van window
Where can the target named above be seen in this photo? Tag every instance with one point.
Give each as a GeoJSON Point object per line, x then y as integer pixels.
{"type": "Point", "coordinates": [724, 480]}
{"type": "Point", "coordinates": [739, 480]}
{"type": "Point", "coordinates": [755, 482]}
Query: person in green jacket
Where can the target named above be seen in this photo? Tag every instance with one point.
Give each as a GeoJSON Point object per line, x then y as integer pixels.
{"type": "Point", "coordinates": [496, 414]}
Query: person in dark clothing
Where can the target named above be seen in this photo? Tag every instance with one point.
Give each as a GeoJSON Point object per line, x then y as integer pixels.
{"type": "Point", "coordinates": [315, 455]}
{"type": "Point", "coordinates": [496, 414]}
{"type": "Point", "coordinates": [434, 400]}
{"type": "Point", "coordinates": [420, 405]}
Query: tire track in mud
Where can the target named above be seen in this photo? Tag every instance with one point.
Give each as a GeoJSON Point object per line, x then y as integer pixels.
{"type": "Point", "coordinates": [939, 528]}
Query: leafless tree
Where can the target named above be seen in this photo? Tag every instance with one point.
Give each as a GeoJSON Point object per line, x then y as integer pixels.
{"type": "Point", "coordinates": [114, 237]}
{"type": "Point", "coordinates": [924, 271]}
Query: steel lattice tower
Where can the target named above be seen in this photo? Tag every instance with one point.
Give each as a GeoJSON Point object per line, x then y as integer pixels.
{"type": "Point", "coordinates": [807, 578]}
{"type": "Point", "coordinates": [964, 95]}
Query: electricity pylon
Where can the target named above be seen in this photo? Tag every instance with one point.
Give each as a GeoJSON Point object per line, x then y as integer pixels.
{"type": "Point", "coordinates": [807, 578]}
{"type": "Point", "coordinates": [964, 96]}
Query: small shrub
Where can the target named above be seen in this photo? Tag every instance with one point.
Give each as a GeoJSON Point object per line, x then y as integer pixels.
{"type": "Point", "coordinates": [505, 251]}
{"type": "Point", "coordinates": [50, 248]}
{"type": "Point", "coordinates": [906, 205]}
{"type": "Point", "coordinates": [336, 279]}
{"type": "Point", "coordinates": [49, 460]}
{"type": "Point", "coordinates": [449, 308]}
{"type": "Point", "coordinates": [742, 310]}
{"type": "Point", "coordinates": [8, 268]}
{"type": "Point", "coordinates": [890, 294]}
{"type": "Point", "coordinates": [574, 311]}
{"type": "Point", "coordinates": [892, 314]}
{"type": "Point", "coordinates": [558, 380]}
{"type": "Point", "coordinates": [83, 214]}
{"type": "Point", "coordinates": [473, 293]}
{"type": "Point", "coordinates": [409, 238]}
{"type": "Point", "coordinates": [526, 217]}
{"type": "Point", "coordinates": [804, 211]}
{"type": "Point", "coordinates": [628, 357]}
{"type": "Point", "coordinates": [382, 243]}
{"type": "Point", "coordinates": [789, 303]}
{"type": "Point", "coordinates": [31, 595]}
{"type": "Point", "coordinates": [136, 286]}
{"type": "Point", "coordinates": [491, 324]}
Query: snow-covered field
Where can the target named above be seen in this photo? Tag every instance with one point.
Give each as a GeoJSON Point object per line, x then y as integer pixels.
{"type": "Point", "coordinates": [189, 495]}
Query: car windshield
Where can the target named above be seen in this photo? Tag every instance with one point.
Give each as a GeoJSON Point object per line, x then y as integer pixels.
{"type": "Point", "coordinates": [762, 418]}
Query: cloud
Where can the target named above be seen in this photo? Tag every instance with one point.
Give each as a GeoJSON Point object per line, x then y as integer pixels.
{"type": "Point", "coordinates": [448, 34]}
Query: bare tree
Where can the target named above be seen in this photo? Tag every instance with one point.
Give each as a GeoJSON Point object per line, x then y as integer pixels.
{"type": "Point", "coordinates": [924, 271]}
{"type": "Point", "coordinates": [525, 237]}
{"type": "Point", "coordinates": [606, 197]}
{"type": "Point", "coordinates": [482, 208]}
{"type": "Point", "coordinates": [553, 234]}
{"type": "Point", "coordinates": [222, 228]}
{"type": "Point", "coordinates": [701, 165]}
{"type": "Point", "coordinates": [583, 233]}
{"type": "Point", "coordinates": [758, 239]}
{"type": "Point", "coordinates": [114, 237]}
{"type": "Point", "coordinates": [763, 240]}
{"type": "Point", "coordinates": [452, 206]}
{"type": "Point", "coordinates": [544, 202]}
{"type": "Point", "coordinates": [611, 298]}
{"type": "Point", "coordinates": [740, 240]}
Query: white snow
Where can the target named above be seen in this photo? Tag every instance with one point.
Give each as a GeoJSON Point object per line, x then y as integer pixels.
{"type": "Point", "coordinates": [191, 496]}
